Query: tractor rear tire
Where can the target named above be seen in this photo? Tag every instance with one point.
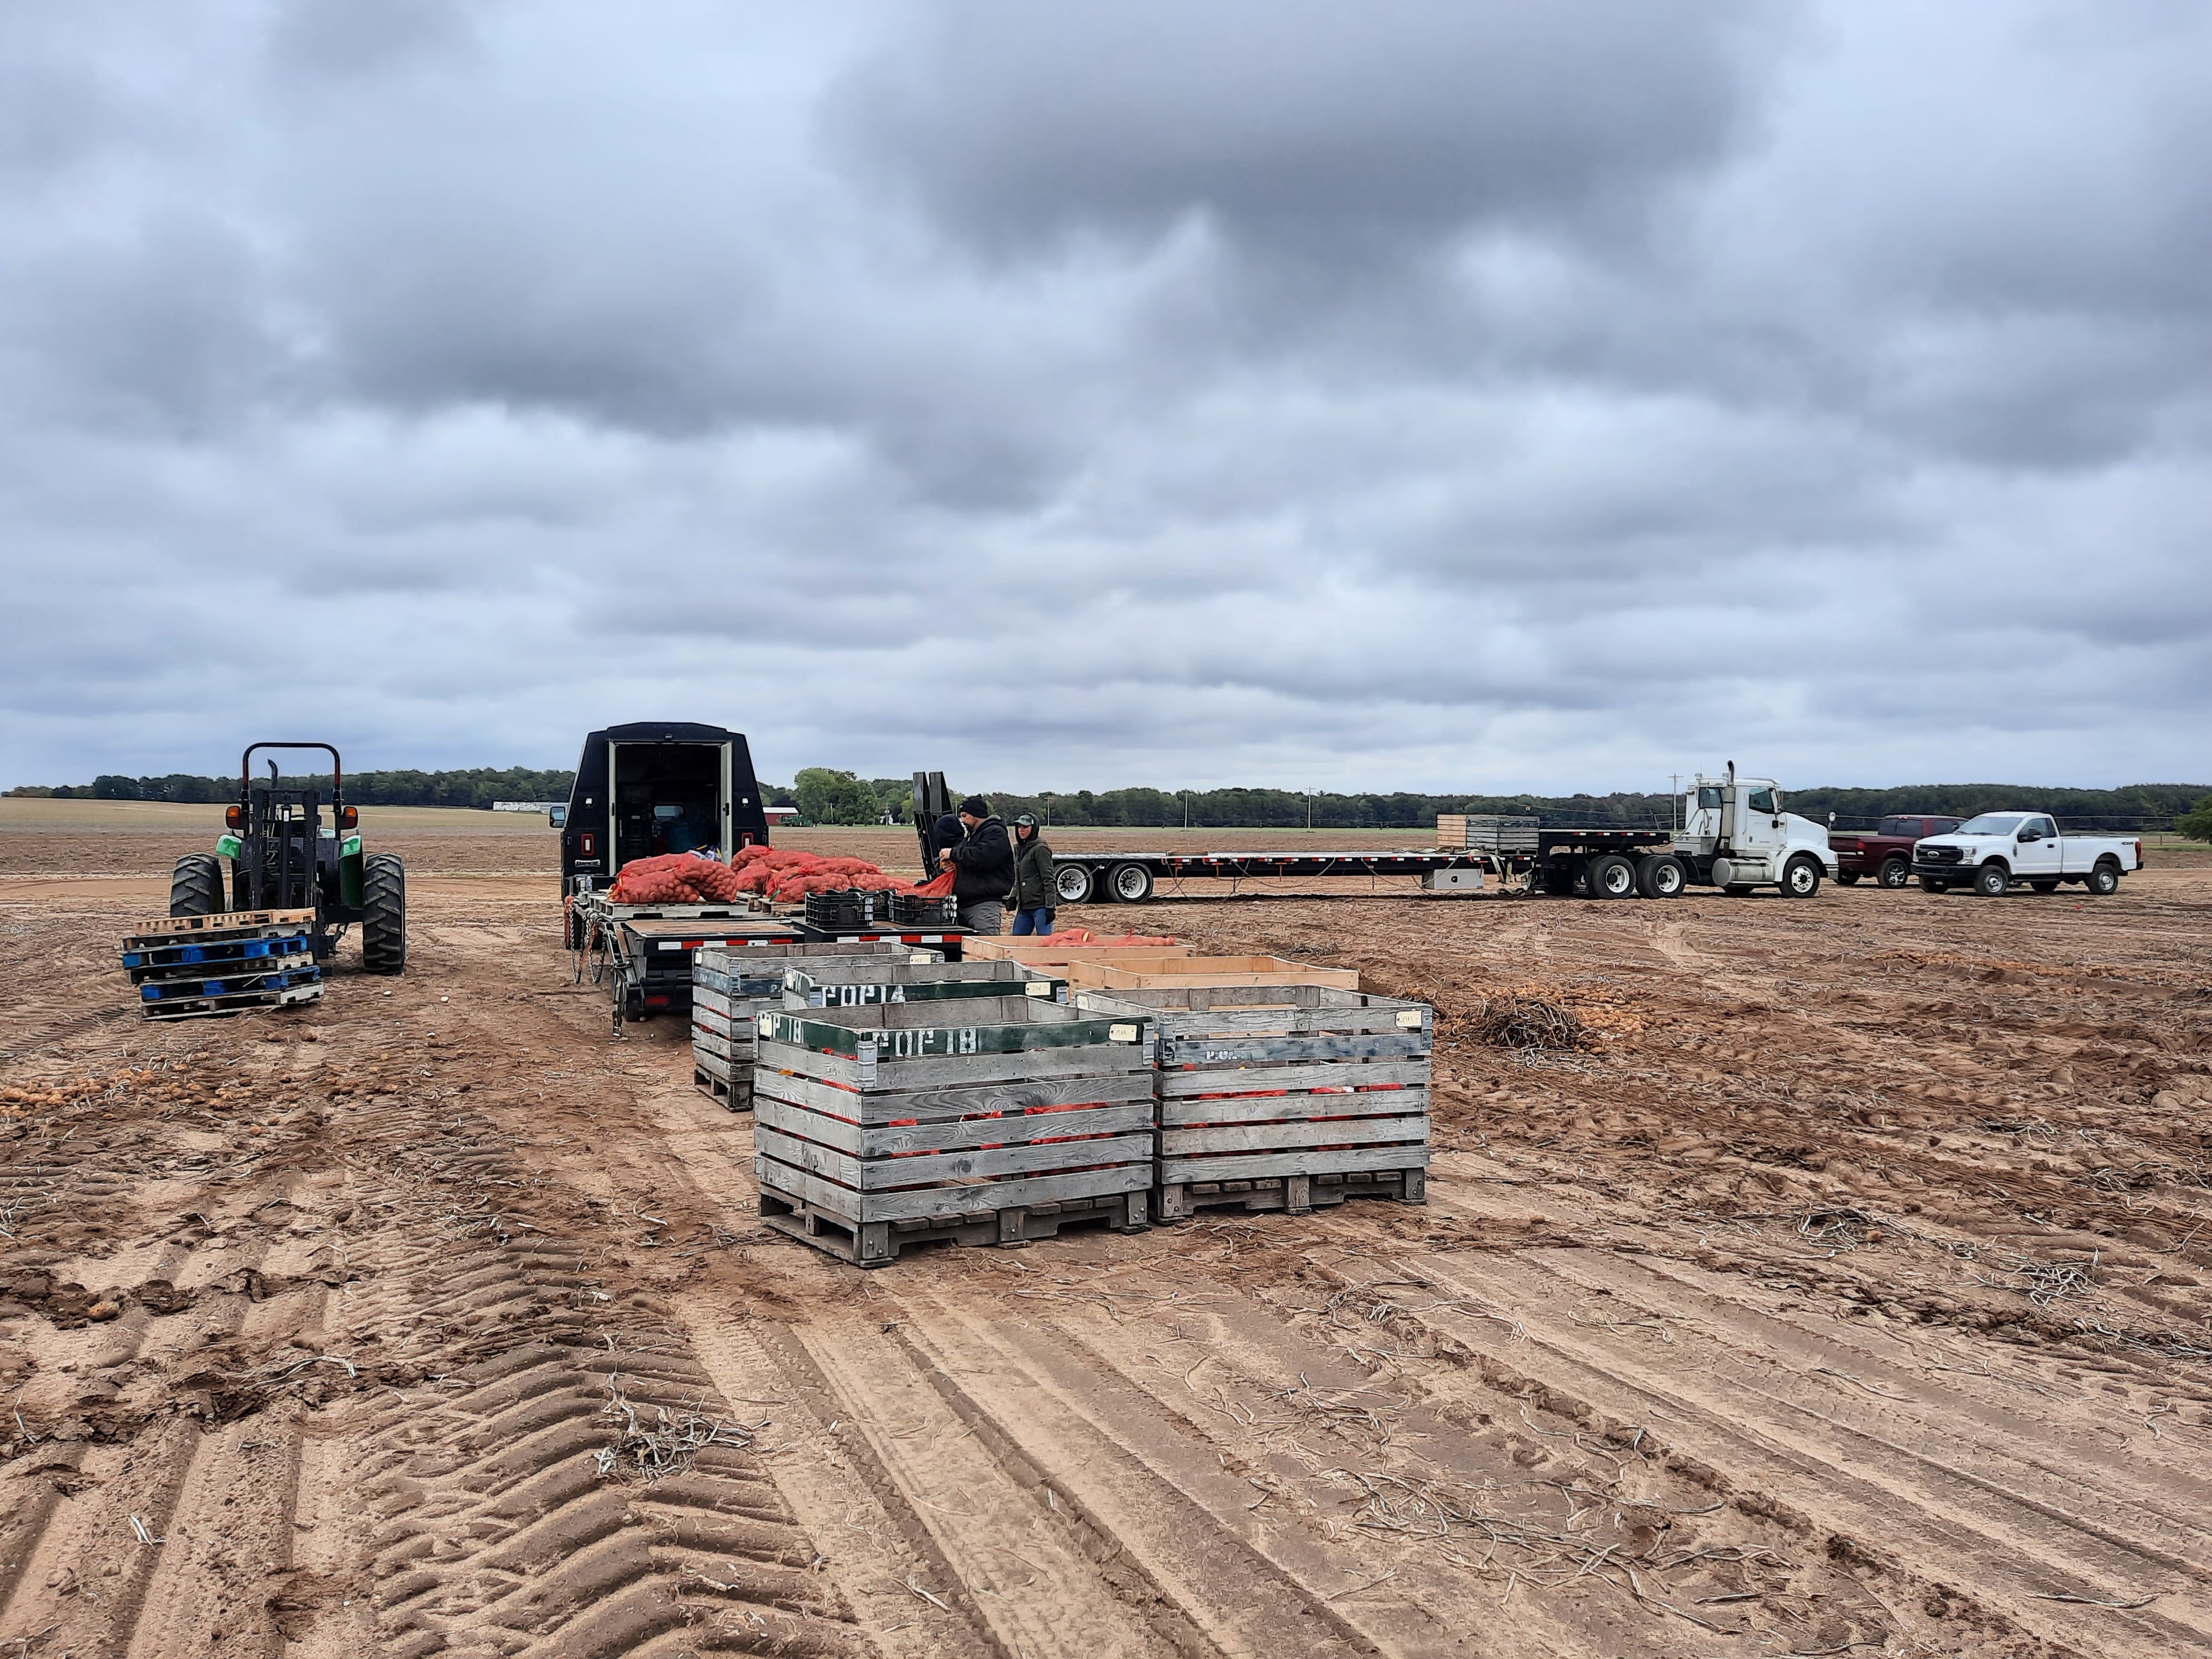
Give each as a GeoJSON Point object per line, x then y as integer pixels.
{"type": "Point", "coordinates": [1074, 884]}
{"type": "Point", "coordinates": [1662, 876]}
{"type": "Point", "coordinates": [383, 914]}
{"type": "Point", "coordinates": [196, 889]}
{"type": "Point", "coordinates": [1612, 877]}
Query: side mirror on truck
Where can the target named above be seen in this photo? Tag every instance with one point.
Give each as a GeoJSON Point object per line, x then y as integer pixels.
{"type": "Point", "coordinates": [558, 817]}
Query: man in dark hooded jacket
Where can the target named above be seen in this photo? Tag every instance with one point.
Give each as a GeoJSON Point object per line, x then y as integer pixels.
{"type": "Point", "coordinates": [985, 861]}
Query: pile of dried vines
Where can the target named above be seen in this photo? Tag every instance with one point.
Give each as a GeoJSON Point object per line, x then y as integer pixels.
{"type": "Point", "coordinates": [1518, 1021]}
{"type": "Point", "coordinates": [673, 1442]}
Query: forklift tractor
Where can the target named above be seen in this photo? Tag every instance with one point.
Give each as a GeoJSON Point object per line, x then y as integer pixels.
{"type": "Point", "coordinates": [284, 857]}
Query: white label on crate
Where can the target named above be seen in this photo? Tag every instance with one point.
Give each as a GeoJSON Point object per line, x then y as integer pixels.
{"type": "Point", "coordinates": [1119, 1032]}
{"type": "Point", "coordinates": [767, 1024]}
{"type": "Point", "coordinates": [921, 958]}
{"type": "Point", "coordinates": [1037, 987]}
{"type": "Point", "coordinates": [1409, 1019]}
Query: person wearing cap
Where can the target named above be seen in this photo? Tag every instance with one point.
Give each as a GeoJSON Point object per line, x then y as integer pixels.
{"type": "Point", "coordinates": [1034, 896]}
{"type": "Point", "coordinates": [984, 861]}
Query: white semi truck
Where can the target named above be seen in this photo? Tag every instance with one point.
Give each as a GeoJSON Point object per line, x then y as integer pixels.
{"type": "Point", "coordinates": [1735, 836]}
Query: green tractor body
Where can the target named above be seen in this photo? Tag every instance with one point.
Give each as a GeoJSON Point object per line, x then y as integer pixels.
{"type": "Point", "coordinates": [283, 856]}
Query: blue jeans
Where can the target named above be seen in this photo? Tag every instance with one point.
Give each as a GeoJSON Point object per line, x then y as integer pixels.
{"type": "Point", "coordinates": [1038, 920]}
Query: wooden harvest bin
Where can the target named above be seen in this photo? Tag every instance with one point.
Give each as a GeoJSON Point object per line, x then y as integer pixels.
{"type": "Point", "coordinates": [1047, 952]}
{"type": "Point", "coordinates": [1144, 972]}
{"type": "Point", "coordinates": [1283, 1096]}
{"type": "Point", "coordinates": [858, 983]}
{"type": "Point", "coordinates": [983, 1120]}
{"type": "Point", "coordinates": [732, 986]}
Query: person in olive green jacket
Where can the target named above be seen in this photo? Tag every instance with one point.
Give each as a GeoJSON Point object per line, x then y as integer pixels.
{"type": "Point", "coordinates": [1033, 897]}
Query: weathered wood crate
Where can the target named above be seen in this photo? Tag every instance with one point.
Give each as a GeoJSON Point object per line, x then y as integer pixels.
{"type": "Point", "coordinates": [731, 986]}
{"type": "Point", "coordinates": [858, 983]}
{"type": "Point", "coordinates": [986, 1120]}
{"type": "Point", "coordinates": [1144, 972]}
{"type": "Point", "coordinates": [1283, 1096]}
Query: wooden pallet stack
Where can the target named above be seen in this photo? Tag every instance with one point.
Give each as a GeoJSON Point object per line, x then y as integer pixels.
{"type": "Point", "coordinates": [973, 1121]}
{"type": "Point", "coordinates": [1485, 832]}
{"type": "Point", "coordinates": [856, 982]}
{"type": "Point", "coordinates": [732, 984]}
{"type": "Point", "coordinates": [191, 967]}
{"type": "Point", "coordinates": [1282, 1097]}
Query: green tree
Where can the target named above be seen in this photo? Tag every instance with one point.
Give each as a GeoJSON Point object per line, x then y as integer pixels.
{"type": "Point", "coordinates": [827, 797]}
{"type": "Point", "coordinates": [2196, 822]}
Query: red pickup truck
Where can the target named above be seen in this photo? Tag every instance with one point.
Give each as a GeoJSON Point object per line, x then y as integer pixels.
{"type": "Point", "coordinates": [1887, 854]}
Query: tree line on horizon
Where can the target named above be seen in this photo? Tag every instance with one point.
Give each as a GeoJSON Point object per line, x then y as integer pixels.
{"type": "Point", "coordinates": [825, 795]}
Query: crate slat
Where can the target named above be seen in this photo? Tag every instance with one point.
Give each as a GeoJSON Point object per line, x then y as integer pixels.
{"type": "Point", "coordinates": [1303, 1078]}
{"type": "Point", "coordinates": [1175, 1172]}
{"type": "Point", "coordinates": [923, 1202]}
{"type": "Point", "coordinates": [899, 1140]}
{"type": "Point", "coordinates": [1294, 1108]}
{"type": "Point", "coordinates": [1276, 1051]}
{"type": "Point", "coordinates": [871, 1176]}
{"type": "Point", "coordinates": [1325, 1133]}
{"type": "Point", "coordinates": [1007, 1097]}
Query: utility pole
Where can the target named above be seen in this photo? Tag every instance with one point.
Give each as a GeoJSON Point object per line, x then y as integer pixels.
{"type": "Point", "coordinates": [1675, 806]}
{"type": "Point", "coordinates": [1309, 811]}
{"type": "Point", "coordinates": [1185, 793]}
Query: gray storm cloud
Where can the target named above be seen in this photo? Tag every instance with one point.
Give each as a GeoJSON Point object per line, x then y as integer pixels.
{"type": "Point", "coordinates": [1462, 396]}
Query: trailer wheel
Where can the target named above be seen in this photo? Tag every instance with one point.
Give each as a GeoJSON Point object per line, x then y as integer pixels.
{"type": "Point", "coordinates": [1991, 880]}
{"type": "Point", "coordinates": [1930, 884]}
{"type": "Point", "coordinates": [1662, 876]}
{"type": "Point", "coordinates": [1895, 872]}
{"type": "Point", "coordinates": [196, 889]}
{"type": "Point", "coordinates": [2105, 879]}
{"type": "Point", "coordinates": [2049, 886]}
{"type": "Point", "coordinates": [1737, 889]}
{"type": "Point", "coordinates": [1612, 877]}
{"type": "Point", "coordinates": [1848, 877]}
{"type": "Point", "coordinates": [1074, 883]}
{"type": "Point", "coordinates": [1129, 884]}
{"type": "Point", "coordinates": [383, 914]}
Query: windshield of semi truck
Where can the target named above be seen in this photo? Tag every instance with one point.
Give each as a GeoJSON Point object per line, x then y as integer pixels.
{"type": "Point", "coordinates": [1993, 823]}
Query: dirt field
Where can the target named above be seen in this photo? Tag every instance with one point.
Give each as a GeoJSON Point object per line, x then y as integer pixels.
{"type": "Point", "coordinates": [1843, 1294]}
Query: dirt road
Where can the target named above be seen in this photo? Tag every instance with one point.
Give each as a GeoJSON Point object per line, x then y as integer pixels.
{"type": "Point", "coordinates": [1842, 1295]}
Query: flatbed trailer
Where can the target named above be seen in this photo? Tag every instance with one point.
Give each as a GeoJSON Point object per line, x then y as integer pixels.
{"type": "Point", "coordinates": [1559, 863]}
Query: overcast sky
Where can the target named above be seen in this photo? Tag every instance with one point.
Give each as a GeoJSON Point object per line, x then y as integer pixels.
{"type": "Point", "coordinates": [1419, 393]}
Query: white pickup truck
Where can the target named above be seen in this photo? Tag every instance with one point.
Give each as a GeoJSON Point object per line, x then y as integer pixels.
{"type": "Point", "coordinates": [1990, 853]}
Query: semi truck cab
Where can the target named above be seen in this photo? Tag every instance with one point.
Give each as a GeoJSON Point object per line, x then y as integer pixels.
{"type": "Point", "coordinates": [1735, 835]}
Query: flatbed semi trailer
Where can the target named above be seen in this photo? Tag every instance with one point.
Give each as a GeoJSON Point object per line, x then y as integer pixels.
{"type": "Point", "coordinates": [1561, 861]}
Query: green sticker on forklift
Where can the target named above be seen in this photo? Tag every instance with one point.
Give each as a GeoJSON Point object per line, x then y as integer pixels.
{"type": "Point", "coordinates": [229, 846]}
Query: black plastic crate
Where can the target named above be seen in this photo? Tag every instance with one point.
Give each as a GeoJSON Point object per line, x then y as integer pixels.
{"type": "Point", "coordinates": [851, 908]}
{"type": "Point", "coordinates": [912, 909]}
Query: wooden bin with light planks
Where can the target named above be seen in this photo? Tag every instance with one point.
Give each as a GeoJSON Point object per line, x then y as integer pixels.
{"type": "Point", "coordinates": [1144, 973]}
{"type": "Point", "coordinates": [1283, 1097]}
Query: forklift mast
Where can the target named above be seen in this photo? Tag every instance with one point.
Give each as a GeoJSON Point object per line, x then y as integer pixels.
{"type": "Point", "coordinates": [932, 801]}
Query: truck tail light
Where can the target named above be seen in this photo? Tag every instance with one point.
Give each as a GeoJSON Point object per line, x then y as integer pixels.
{"type": "Point", "coordinates": [589, 844]}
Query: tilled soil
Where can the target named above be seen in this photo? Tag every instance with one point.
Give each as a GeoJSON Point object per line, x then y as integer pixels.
{"type": "Point", "coordinates": [1835, 1288]}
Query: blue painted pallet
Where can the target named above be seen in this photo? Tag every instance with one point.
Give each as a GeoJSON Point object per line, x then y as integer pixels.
{"type": "Point", "coordinates": [165, 960]}
{"type": "Point", "coordinates": [238, 984]}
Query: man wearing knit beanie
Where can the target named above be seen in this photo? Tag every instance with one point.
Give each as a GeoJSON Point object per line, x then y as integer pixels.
{"type": "Point", "coordinates": [985, 861]}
